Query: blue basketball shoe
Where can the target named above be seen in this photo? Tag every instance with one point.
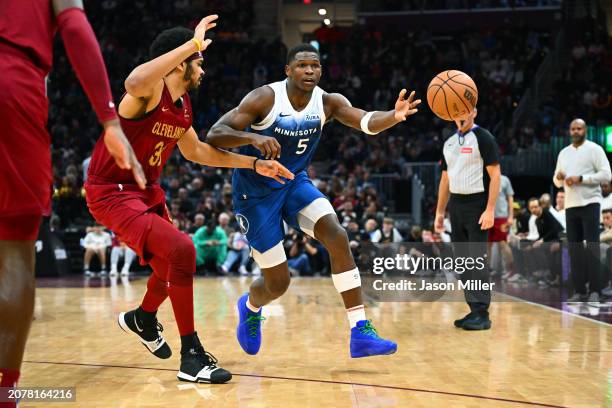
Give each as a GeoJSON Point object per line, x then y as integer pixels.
{"type": "Point", "coordinates": [248, 331]}
{"type": "Point", "coordinates": [366, 342]}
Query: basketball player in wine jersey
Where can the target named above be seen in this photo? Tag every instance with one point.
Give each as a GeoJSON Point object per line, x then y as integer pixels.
{"type": "Point", "coordinates": [156, 115]}
{"type": "Point", "coordinates": [27, 30]}
{"type": "Point", "coordinates": [290, 115]}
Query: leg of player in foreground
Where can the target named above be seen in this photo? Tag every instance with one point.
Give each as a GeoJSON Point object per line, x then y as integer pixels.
{"type": "Point", "coordinates": [24, 149]}
{"type": "Point", "coordinates": [173, 264]}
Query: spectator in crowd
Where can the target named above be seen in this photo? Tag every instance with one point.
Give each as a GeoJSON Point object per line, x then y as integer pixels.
{"type": "Point", "coordinates": [504, 218]}
{"type": "Point", "coordinates": [522, 240]}
{"type": "Point", "coordinates": [96, 243]}
{"type": "Point", "coordinates": [371, 226]}
{"type": "Point", "coordinates": [549, 230]}
{"type": "Point", "coordinates": [606, 240]}
{"type": "Point", "coordinates": [238, 250]}
{"type": "Point", "coordinates": [198, 222]}
{"type": "Point", "coordinates": [120, 250]}
{"type": "Point", "coordinates": [606, 234]}
{"type": "Point", "coordinates": [185, 205]}
{"type": "Point", "coordinates": [387, 234]}
{"type": "Point", "coordinates": [301, 249]}
{"type": "Point", "coordinates": [559, 209]}
{"type": "Point", "coordinates": [606, 202]}
{"type": "Point", "coordinates": [224, 220]}
{"type": "Point", "coordinates": [211, 246]}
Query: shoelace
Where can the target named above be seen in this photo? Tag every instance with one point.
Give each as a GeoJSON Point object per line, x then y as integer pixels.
{"type": "Point", "coordinates": [368, 330]}
{"type": "Point", "coordinates": [160, 329]}
{"type": "Point", "coordinates": [253, 323]}
{"type": "Point", "coordinates": [205, 358]}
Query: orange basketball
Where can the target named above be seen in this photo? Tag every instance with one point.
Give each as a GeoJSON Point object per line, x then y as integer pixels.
{"type": "Point", "coordinates": [452, 94]}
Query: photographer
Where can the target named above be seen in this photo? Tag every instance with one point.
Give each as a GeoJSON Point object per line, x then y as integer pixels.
{"type": "Point", "coordinates": [301, 249]}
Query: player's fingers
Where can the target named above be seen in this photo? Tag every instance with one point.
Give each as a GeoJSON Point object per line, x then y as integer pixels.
{"type": "Point", "coordinates": [284, 172]}
{"type": "Point", "coordinates": [263, 149]}
{"type": "Point", "coordinates": [276, 149]}
{"type": "Point", "coordinates": [280, 180]}
{"type": "Point", "coordinates": [139, 176]}
{"type": "Point", "coordinates": [211, 25]}
{"type": "Point", "coordinates": [273, 150]}
{"type": "Point", "coordinates": [411, 97]}
{"type": "Point", "coordinates": [402, 94]}
{"type": "Point", "coordinates": [269, 151]}
{"type": "Point", "coordinates": [211, 18]}
{"type": "Point", "coordinates": [415, 103]}
{"type": "Point", "coordinates": [206, 43]}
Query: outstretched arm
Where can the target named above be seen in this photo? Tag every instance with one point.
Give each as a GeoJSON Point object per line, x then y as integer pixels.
{"type": "Point", "coordinates": [195, 150]}
{"type": "Point", "coordinates": [229, 129]}
{"type": "Point", "coordinates": [86, 59]}
{"type": "Point", "coordinates": [143, 79]}
{"type": "Point", "coordinates": [338, 107]}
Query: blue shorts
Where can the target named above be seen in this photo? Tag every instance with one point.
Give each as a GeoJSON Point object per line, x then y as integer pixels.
{"type": "Point", "coordinates": [261, 218]}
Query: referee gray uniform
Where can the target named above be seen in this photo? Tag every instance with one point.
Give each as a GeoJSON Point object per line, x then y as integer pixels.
{"type": "Point", "coordinates": [466, 157]}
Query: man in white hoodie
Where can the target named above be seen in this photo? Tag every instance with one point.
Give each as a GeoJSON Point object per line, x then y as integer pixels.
{"type": "Point", "coordinates": [581, 168]}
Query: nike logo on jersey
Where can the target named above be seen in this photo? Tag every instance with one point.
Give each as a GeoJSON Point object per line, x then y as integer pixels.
{"type": "Point", "coordinates": [164, 109]}
{"type": "Point", "coordinates": [283, 115]}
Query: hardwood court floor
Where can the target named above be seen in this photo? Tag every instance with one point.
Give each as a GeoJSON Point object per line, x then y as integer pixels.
{"type": "Point", "coordinates": [533, 356]}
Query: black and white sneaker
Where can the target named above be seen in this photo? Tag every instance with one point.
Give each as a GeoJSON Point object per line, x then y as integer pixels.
{"type": "Point", "coordinates": [200, 366]}
{"type": "Point", "coordinates": [148, 330]}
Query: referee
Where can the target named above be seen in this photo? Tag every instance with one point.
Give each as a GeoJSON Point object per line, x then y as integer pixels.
{"type": "Point", "coordinates": [470, 184]}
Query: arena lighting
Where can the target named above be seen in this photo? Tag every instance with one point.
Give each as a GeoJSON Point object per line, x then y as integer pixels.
{"type": "Point", "coordinates": [322, 11]}
{"type": "Point", "coordinates": [327, 21]}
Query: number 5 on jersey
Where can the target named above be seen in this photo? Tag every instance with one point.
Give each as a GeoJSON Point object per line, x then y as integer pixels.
{"type": "Point", "coordinates": [155, 159]}
{"type": "Point", "coordinates": [302, 146]}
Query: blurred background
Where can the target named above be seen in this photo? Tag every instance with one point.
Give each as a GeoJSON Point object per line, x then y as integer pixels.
{"type": "Point", "coordinates": [537, 65]}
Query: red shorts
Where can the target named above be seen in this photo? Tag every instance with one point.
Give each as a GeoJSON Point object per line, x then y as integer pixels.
{"type": "Point", "coordinates": [495, 233]}
{"type": "Point", "coordinates": [128, 211]}
{"type": "Point", "coordinates": [25, 156]}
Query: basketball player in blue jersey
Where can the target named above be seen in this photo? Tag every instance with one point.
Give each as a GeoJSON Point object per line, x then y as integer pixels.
{"type": "Point", "coordinates": [284, 120]}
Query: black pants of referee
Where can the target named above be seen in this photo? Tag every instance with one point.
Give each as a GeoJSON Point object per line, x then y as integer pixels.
{"type": "Point", "coordinates": [470, 242]}
{"type": "Point", "coordinates": [582, 224]}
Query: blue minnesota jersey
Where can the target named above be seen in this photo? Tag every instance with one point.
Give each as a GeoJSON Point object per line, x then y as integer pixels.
{"type": "Point", "coordinates": [298, 134]}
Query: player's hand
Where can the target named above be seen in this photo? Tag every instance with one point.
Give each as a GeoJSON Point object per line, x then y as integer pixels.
{"type": "Point", "coordinates": [486, 219]}
{"type": "Point", "coordinates": [570, 181]}
{"type": "Point", "coordinates": [273, 169]}
{"type": "Point", "coordinates": [200, 31]}
{"type": "Point", "coordinates": [439, 223]}
{"type": "Point", "coordinates": [268, 146]}
{"type": "Point", "coordinates": [405, 107]}
{"type": "Point", "coordinates": [121, 150]}
{"type": "Point", "coordinates": [560, 175]}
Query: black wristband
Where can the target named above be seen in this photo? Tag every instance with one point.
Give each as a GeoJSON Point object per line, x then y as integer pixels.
{"type": "Point", "coordinates": [581, 179]}
{"type": "Point", "coordinates": [255, 164]}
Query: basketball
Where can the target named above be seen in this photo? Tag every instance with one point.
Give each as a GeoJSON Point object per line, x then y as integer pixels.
{"type": "Point", "coordinates": [452, 94]}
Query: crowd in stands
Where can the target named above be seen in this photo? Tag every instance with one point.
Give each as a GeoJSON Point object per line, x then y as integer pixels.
{"type": "Point", "coordinates": [370, 75]}
{"type": "Point", "coordinates": [417, 5]}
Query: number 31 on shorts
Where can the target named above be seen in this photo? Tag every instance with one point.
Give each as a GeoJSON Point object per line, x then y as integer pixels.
{"type": "Point", "coordinates": [302, 146]}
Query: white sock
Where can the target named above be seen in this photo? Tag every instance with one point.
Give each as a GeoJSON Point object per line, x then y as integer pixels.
{"type": "Point", "coordinates": [356, 314]}
{"type": "Point", "coordinates": [251, 307]}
